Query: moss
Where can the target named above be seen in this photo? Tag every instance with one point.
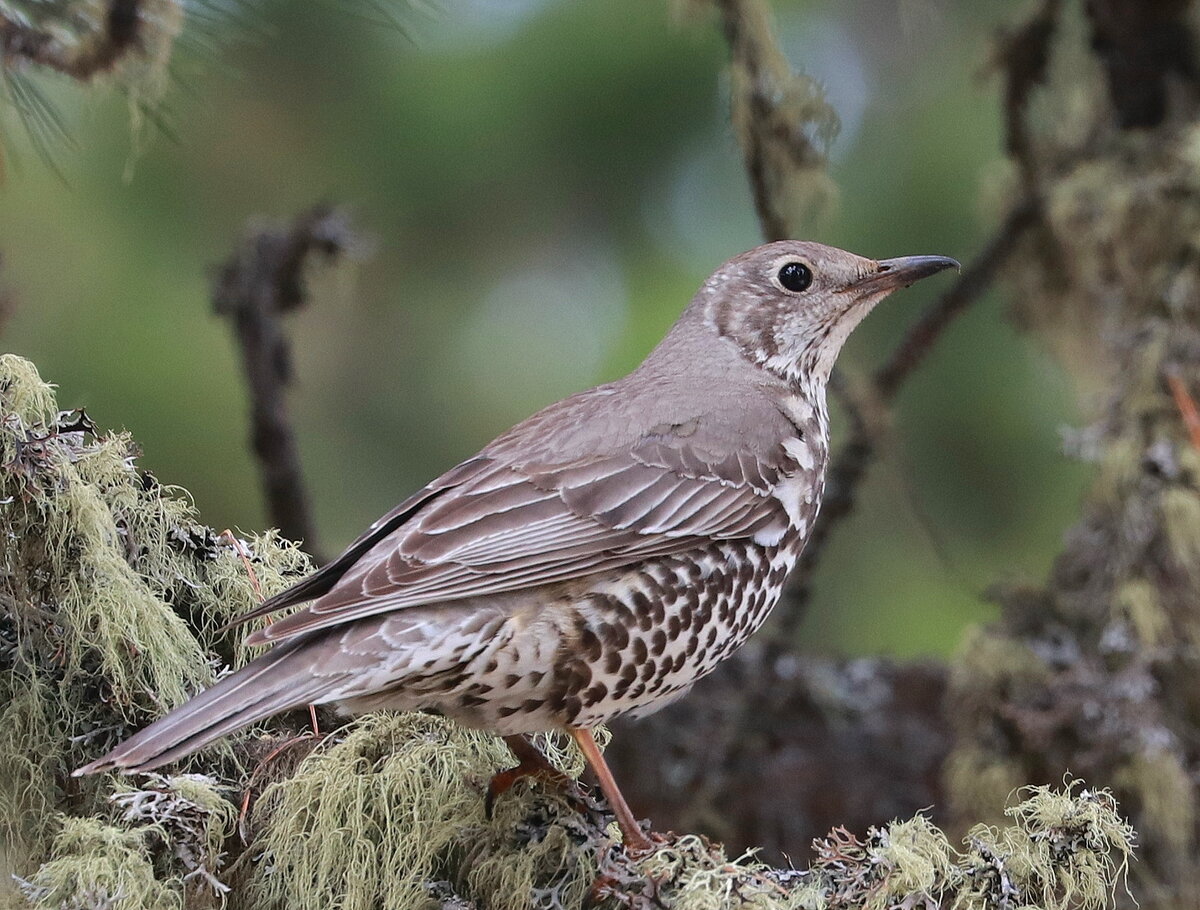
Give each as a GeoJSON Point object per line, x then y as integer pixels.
{"type": "Point", "coordinates": [1059, 854]}
{"type": "Point", "coordinates": [94, 865]}
{"type": "Point", "coordinates": [1137, 602]}
{"type": "Point", "coordinates": [112, 596]}
{"type": "Point", "coordinates": [1164, 791]}
{"type": "Point", "coordinates": [1181, 525]}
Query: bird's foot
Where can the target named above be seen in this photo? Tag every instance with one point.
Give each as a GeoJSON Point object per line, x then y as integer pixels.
{"type": "Point", "coordinates": [503, 781]}
{"type": "Point", "coordinates": [530, 763]}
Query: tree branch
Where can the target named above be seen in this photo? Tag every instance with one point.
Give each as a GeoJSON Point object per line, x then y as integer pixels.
{"type": "Point", "coordinates": [92, 55]}
{"type": "Point", "coordinates": [782, 120]}
{"type": "Point", "coordinates": [262, 280]}
{"type": "Point", "coordinates": [849, 465]}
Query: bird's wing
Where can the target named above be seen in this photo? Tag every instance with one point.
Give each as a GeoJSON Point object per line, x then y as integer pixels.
{"type": "Point", "coordinates": [492, 526]}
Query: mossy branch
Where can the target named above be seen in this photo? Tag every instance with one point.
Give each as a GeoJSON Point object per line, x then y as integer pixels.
{"type": "Point", "coordinates": [112, 596]}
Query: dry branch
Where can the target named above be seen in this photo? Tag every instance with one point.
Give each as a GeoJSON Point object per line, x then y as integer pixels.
{"type": "Point", "coordinates": [264, 279]}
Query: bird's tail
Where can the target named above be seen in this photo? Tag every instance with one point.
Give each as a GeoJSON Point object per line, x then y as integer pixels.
{"type": "Point", "coordinates": [277, 681]}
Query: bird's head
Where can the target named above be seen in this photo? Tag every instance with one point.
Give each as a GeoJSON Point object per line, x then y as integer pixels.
{"type": "Point", "coordinates": [790, 305]}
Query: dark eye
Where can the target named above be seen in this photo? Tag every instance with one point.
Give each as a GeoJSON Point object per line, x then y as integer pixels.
{"type": "Point", "coordinates": [795, 276]}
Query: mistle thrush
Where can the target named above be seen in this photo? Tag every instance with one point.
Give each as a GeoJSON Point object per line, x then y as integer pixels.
{"type": "Point", "coordinates": [596, 559]}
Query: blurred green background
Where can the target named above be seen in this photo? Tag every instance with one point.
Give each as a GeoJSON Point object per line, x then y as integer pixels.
{"type": "Point", "coordinates": [546, 183]}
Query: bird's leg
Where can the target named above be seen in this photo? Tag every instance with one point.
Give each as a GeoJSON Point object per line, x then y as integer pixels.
{"type": "Point", "coordinates": [635, 840]}
{"type": "Point", "coordinates": [530, 763]}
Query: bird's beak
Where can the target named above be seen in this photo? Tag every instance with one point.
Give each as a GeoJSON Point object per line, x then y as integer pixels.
{"type": "Point", "coordinates": [901, 272]}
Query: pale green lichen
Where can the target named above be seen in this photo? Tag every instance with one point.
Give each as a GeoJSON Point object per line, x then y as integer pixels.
{"type": "Point", "coordinates": [30, 764]}
{"type": "Point", "coordinates": [1181, 524]}
{"type": "Point", "coordinates": [111, 593]}
{"type": "Point", "coordinates": [193, 820]}
{"type": "Point", "coordinates": [1137, 603]}
{"type": "Point", "coordinates": [1067, 849]}
{"type": "Point", "coordinates": [982, 779]}
{"type": "Point", "coordinates": [397, 802]}
{"type": "Point", "coordinates": [1165, 792]}
{"type": "Point", "coordinates": [100, 866]}
{"type": "Point", "coordinates": [695, 875]}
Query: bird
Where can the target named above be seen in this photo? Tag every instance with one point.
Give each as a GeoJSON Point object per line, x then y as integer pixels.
{"type": "Point", "coordinates": [593, 561]}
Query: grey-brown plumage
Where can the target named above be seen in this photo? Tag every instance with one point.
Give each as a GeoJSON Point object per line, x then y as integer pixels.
{"type": "Point", "coordinates": [599, 557]}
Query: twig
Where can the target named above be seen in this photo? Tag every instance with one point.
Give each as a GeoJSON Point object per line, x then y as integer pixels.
{"type": "Point", "coordinates": [261, 281]}
{"type": "Point", "coordinates": [776, 114]}
{"type": "Point", "coordinates": [244, 554]}
{"type": "Point", "coordinates": [95, 54]}
{"type": "Point", "coordinates": [1024, 55]}
{"type": "Point", "coordinates": [976, 278]}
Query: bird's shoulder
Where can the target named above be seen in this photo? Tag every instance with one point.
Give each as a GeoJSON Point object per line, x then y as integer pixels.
{"type": "Point", "coordinates": [718, 431]}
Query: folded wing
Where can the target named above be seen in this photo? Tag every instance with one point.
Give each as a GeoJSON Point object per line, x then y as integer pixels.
{"type": "Point", "coordinates": [491, 526]}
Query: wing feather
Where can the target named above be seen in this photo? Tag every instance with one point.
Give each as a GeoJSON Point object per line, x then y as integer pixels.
{"type": "Point", "coordinates": [500, 527]}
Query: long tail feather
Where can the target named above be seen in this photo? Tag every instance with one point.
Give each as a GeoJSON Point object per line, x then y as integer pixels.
{"type": "Point", "coordinates": [277, 681]}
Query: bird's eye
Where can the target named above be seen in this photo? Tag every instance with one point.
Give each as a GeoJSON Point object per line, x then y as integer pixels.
{"type": "Point", "coordinates": [795, 276]}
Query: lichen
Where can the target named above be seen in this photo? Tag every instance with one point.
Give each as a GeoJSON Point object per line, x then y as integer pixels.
{"type": "Point", "coordinates": [192, 818]}
{"type": "Point", "coordinates": [1067, 849]}
{"type": "Point", "coordinates": [112, 593]}
{"type": "Point", "coordinates": [1164, 790]}
{"type": "Point", "coordinates": [394, 802]}
{"type": "Point", "coordinates": [95, 866]}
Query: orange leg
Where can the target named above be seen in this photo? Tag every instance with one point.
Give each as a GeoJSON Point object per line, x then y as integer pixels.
{"type": "Point", "coordinates": [530, 763]}
{"type": "Point", "coordinates": [635, 840]}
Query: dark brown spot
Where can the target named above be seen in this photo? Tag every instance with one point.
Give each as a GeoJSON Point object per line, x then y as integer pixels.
{"type": "Point", "coordinates": [658, 608]}
{"type": "Point", "coordinates": [589, 642]}
{"type": "Point", "coordinates": [595, 694]}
